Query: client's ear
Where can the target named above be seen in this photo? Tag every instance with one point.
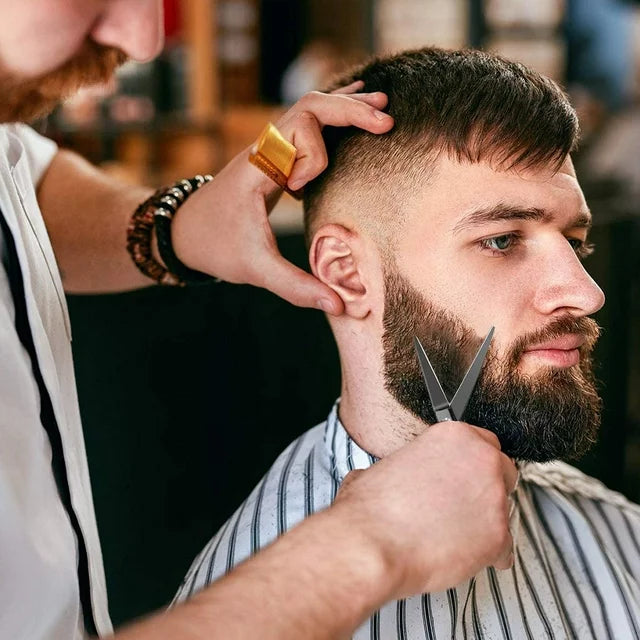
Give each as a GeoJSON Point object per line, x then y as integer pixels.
{"type": "Point", "coordinates": [337, 257]}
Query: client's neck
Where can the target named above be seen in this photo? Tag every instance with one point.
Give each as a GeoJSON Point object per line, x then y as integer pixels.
{"type": "Point", "coordinates": [373, 419]}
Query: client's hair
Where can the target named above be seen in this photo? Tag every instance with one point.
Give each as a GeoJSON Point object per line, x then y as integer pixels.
{"type": "Point", "coordinates": [470, 105]}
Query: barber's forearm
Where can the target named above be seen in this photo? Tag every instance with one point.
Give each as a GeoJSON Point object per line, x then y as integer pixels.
{"type": "Point", "coordinates": [319, 581]}
{"type": "Point", "coordinates": [86, 213]}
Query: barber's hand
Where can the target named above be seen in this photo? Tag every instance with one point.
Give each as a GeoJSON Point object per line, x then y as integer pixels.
{"type": "Point", "coordinates": [437, 509]}
{"type": "Point", "coordinates": [223, 229]}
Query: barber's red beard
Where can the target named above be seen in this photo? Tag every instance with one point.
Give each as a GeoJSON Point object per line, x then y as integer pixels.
{"type": "Point", "coordinates": [24, 100]}
{"type": "Point", "coordinates": [553, 414]}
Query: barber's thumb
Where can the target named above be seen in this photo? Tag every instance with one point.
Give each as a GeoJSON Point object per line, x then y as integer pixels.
{"type": "Point", "coordinates": [505, 560]}
{"type": "Point", "coordinates": [348, 481]}
{"type": "Point", "coordinates": [300, 288]}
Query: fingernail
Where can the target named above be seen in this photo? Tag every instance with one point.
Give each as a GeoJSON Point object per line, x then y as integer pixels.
{"type": "Point", "coordinates": [325, 305]}
{"type": "Point", "coordinates": [296, 184]}
{"type": "Point", "coordinates": [381, 115]}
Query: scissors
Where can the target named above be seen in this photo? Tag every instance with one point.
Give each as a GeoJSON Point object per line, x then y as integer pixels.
{"type": "Point", "coordinates": [444, 409]}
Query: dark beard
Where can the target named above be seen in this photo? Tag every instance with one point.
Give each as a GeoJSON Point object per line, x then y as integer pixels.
{"type": "Point", "coordinates": [552, 415]}
{"type": "Point", "coordinates": [26, 100]}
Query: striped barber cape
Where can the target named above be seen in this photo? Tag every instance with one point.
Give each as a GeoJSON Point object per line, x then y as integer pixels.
{"type": "Point", "coordinates": [577, 555]}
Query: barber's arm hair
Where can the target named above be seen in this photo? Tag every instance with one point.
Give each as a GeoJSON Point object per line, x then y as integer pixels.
{"type": "Point", "coordinates": [86, 213]}
{"type": "Point", "coordinates": [319, 582]}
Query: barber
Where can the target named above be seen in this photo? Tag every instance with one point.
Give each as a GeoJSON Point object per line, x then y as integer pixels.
{"type": "Point", "coordinates": [395, 529]}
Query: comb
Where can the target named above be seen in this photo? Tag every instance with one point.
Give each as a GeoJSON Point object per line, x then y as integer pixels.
{"type": "Point", "coordinates": [274, 156]}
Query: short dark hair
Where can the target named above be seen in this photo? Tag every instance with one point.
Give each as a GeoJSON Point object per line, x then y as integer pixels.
{"type": "Point", "coordinates": [471, 105]}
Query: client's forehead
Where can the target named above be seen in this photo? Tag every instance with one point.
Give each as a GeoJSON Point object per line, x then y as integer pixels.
{"type": "Point", "coordinates": [456, 192]}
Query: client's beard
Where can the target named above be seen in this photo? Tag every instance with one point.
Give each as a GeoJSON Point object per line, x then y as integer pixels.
{"type": "Point", "coordinates": [554, 414]}
{"type": "Point", "coordinates": [24, 100]}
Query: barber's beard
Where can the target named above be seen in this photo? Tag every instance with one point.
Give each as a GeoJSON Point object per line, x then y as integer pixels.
{"type": "Point", "coordinates": [24, 100]}
{"type": "Point", "coordinates": [552, 414]}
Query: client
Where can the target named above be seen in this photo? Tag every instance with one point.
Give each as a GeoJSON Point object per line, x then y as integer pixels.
{"type": "Point", "coordinates": [466, 215]}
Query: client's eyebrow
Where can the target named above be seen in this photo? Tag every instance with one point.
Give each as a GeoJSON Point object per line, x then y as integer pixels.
{"type": "Point", "coordinates": [501, 212]}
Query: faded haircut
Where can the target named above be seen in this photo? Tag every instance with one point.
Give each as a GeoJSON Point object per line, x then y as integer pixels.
{"type": "Point", "coordinates": [470, 105]}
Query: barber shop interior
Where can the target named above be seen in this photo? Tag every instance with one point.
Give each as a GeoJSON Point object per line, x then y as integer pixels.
{"type": "Point", "coordinates": [188, 395]}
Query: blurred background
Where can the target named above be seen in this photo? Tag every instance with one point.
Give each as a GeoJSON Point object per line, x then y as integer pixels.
{"type": "Point", "coordinates": [188, 395]}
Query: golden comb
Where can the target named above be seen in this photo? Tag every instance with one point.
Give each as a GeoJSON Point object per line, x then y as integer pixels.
{"type": "Point", "coordinates": [274, 156]}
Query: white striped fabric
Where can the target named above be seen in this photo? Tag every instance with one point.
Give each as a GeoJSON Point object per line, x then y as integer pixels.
{"type": "Point", "coordinates": [577, 553]}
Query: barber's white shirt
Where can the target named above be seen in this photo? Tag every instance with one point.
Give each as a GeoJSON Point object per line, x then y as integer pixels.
{"type": "Point", "coordinates": [576, 574]}
{"type": "Point", "coordinates": [39, 593]}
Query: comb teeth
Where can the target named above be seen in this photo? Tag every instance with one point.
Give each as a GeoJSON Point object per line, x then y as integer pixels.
{"type": "Point", "coordinates": [278, 151]}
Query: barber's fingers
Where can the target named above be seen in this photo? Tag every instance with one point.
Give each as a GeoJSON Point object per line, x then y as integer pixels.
{"type": "Point", "coordinates": [356, 85]}
{"type": "Point", "coordinates": [303, 129]}
{"type": "Point", "coordinates": [339, 110]}
{"type": "Point", "coordinates": [348, 481]}
{"type": "Point", "coordinates": [509, 469]}
{"type": "Point", "coordinates": [510, 479]}
{"type": "Point", "coordinates": [488, 436]}
{"type": "Point", "coordinates": [295, 285]}
{"type": "Point", "coordinates": [311, 154]}
{"type": "Point", "coordinates": [376, 99]}
{"type": "Point", "coordinates": [506, 557]}
{"type": "Point", "coordinates": [510, 474]}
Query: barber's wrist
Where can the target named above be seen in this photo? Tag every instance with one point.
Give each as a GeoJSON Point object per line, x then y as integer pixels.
{"type": "Point", "coordinates": [364, 555]}
{"type": "Point", "coordinates": [149, 234]}
{"type": "Point", "coordinates": [155, 252]}
{"type": "Point", "coordinates": [374, 525]}
{"type": "Point", "coordinates": [186, 232]}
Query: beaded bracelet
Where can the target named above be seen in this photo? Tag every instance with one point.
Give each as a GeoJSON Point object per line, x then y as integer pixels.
{"type": "Point", "coordinates": [157, 211]}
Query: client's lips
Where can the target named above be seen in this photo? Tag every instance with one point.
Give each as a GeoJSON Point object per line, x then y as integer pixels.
{"type": "Point", "coordinates": [563, 343]}
{"type": "Point", "coordinates": [562, 351]}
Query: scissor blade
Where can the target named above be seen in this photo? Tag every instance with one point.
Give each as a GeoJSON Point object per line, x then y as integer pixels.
{"type": "Point", "coordinates": [461, 398]}
{"type": "Point", "coordinates": [436, 394]}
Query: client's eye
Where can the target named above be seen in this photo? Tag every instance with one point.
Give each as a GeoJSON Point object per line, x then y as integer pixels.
{"type": "Point", "coordinates": [500, 245]}
{"type": "Point", "coordinates": [582, 248]}
{"type": "Point", "coordinates": [501, 242]}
